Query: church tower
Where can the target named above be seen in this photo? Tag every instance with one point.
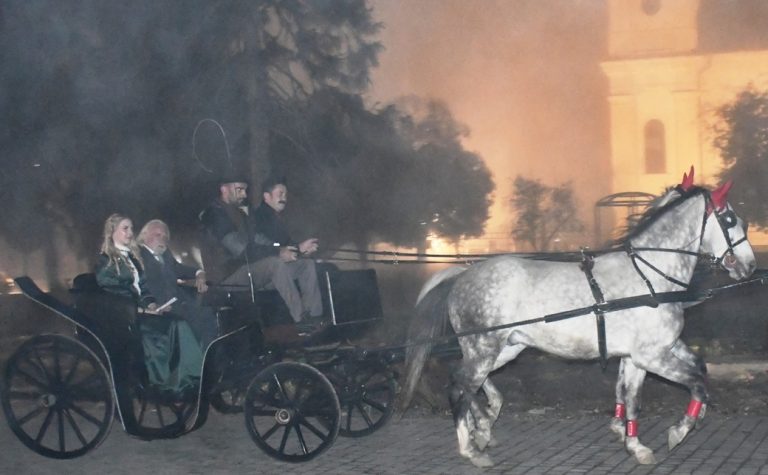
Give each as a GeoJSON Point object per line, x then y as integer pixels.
{"type": "Point", "coordinates": [654, 93]}
{"type": "Point", "coordinates": [643, 28]}
{"type": "Point", "coordinates": [665, 90]}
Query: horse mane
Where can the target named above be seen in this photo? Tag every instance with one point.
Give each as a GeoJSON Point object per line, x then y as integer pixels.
{"type": "Point", "coordinates": [656, 209]}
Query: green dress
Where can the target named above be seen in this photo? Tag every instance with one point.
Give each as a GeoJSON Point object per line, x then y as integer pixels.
{"type": "Point", "coordinates": [172, 354]}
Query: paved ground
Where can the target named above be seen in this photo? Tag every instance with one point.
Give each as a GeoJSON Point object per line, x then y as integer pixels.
{"type": "Point", "coordinates": [530, 444]}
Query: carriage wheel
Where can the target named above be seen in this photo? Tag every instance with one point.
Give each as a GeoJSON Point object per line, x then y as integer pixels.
{"type": "Point", "coordinates": [160, 416]}
{"type": "Point", "coordinates": [228, 401]}
{"type": "Point", "coordinates": [292, 412]}
{"type": "Point", "coordinates": [366, 393]}
{"type": "Point", "coordinates": [57, 397]}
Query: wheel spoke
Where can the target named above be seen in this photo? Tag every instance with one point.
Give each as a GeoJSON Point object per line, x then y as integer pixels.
{"type": "Point", "coordinates": [271, 431]}
{"type": "Point", "coordinates": [349, 417]}
{"type": "Point", "coordinates": [56, 361]}
{"type": "Point", "coordinates": [85, 415]}
{"type": "Point", "coordinates": [142, 410]}
{"type": "Point", "coordinates": [374, 404]}
{"type": "Point", "coordinates": [40, 365]}
{"type": "Point", "coordinates": [75, 427]}
{"type": "Point", "coordinates": [32, 414]}
{"type": "Point", "coordinates": [62, 438]}
{"type": "Point", "coordinates": [44, 426]}
{"type": "Point", "coordinates": [263, 412]}
{"type": "Point", "coordinates": [32, 379]}
{"type": "Point", "coordinates": [364, 414]}
{"type": "Point", "coordinates": [93, 380]}
{"type": "Point", "coordinates": [284, 440]}
{"type": "Point", "coordinates": [279, 388]}
{"type": "Point", "coordinates": [160, 417]}
{"type": "Point", "coordinates": [72, 370]}
{"type": "Point", "coordinates": [23, 395]}
{"type": "Point", "coordinates": [303, 421]}
{"type": "Point", "coordinates": [302, 442]}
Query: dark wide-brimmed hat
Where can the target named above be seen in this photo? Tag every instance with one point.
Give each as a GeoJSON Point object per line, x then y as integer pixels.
{"type": "Point", "coordinates": [233, 176]}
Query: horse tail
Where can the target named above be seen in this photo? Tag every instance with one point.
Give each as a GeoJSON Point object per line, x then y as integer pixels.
{"type": "Point", "coordinates": [429, 320]}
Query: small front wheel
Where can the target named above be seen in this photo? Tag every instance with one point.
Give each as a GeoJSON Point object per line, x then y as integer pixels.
{"type": "Point", "coordinates": [57, 397]}
{"type": "Point", "coordinates": [292, 412]}
{"type": "Point", "coordinates": [366, 391]}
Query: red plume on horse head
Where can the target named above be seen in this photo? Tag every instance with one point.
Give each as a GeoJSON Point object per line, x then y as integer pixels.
{"type": "Point", "coordinates": [720, 194]}
{"type": "Point", "coordinates": [687, 182]}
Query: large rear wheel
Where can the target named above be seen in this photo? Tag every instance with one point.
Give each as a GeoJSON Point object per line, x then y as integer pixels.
{"type": "Point", "coordinates": [292, 412]}
{"type": "Point", "coordinates": [57, 397]}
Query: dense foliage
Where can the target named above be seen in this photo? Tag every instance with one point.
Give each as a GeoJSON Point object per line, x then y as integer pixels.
{"type": "Point", "coordinates": [742, 138]}
{"type": "Point", "coordinates": [100, 101]}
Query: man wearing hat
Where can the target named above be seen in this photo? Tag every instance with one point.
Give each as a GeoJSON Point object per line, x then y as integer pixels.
{"type": "Point", "coordinates": [236, 252]}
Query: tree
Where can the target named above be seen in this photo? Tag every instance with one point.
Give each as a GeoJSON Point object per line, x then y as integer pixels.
{"type": "Point", "coordinates": [100, 100]}
{"type": "Point", "coordinates": [365, 176]}
{"type": "Point", "coordinates": [741, 135]}
{"type": "Point", "coordinates": [542, 212]}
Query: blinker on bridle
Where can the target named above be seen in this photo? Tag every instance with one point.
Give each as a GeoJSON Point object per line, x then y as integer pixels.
{"type": "Point", "coordinates": [726, 220]}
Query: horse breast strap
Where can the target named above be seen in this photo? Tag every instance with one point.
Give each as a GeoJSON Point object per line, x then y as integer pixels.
{"type": "Point", "coordinates": [587, 263]}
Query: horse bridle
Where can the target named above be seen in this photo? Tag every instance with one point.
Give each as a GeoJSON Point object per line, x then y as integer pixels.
{"type": "Point", "coordinates": [725, 220]}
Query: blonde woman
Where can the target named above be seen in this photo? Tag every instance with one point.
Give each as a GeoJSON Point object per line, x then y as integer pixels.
{"type": "Point", "coordinates": [119, 270]}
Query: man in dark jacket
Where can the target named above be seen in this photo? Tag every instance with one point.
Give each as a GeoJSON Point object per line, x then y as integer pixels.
{"type": "Point", "coordinates": [245, 254]}
{"type": "Point", "coordinates": [163, 274]}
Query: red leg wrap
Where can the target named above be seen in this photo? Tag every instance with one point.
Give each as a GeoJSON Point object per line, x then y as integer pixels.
{"type": "Point", "coordinates": [694, 407]}
{"type": "Point", "coordinates": [620, 412]}
{"type": "Point", "coordinates": [632, 428]}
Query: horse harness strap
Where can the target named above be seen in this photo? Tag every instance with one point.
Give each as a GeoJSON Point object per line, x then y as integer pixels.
{"type": "Point", "coordinates": [634, 257]}
{"type": "Point", "coordinates": [587, 263]}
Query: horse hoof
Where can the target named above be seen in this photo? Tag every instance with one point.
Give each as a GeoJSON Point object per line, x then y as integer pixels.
{"type": "Point", "coordinates": [642, 454]}
{"type": "Point", "coordinates": [483, 441]}
{"type": "Point", "coordinates": [676, 435]}
{"type": "Point", "coordinates": [617, 427]}
{"type": "Point", "coordinates": [481, 461]}
{"type": "Point", "coordinates": [645, 457]}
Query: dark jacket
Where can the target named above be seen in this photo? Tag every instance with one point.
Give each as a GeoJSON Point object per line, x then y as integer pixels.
{"type": "Point", "coordinates": [230, 238]}
{"type": "Point", "coordinates": [119, 279]}
{"type": "Point", "coordinates": [269, 223]}
{"type": "Point", "coordinates": [161, 278]}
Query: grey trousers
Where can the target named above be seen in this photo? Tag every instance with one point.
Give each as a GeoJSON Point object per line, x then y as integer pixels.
{"type": "Point", "coordinates": [272, 273]}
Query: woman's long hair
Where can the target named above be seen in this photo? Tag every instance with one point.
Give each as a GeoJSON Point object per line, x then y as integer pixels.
{"type": "Point", "coordinates": [108, 245]}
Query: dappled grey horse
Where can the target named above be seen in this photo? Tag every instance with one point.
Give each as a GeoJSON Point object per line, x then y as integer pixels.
{"type": "Point", "coordinates": [655, 260]}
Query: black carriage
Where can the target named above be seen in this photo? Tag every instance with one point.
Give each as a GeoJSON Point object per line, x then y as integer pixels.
{"type": "Point", "coordinates": [61, 393]}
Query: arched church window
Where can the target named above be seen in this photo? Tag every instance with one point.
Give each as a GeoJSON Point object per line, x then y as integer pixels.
{"type": "Point", "coordinates": [655, 147]}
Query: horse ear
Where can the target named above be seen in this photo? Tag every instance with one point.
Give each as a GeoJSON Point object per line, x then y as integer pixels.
{"type": "Point", "coordinates": [687, 182]}
{"type": "Point", "coordinates": [719, 195]}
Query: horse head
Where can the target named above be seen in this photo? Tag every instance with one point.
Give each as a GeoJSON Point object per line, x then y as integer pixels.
{"type": "Point", "coordinates": [725, 235]}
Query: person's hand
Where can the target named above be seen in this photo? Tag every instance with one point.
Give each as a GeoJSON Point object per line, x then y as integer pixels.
{"type": "Point", "coordinates": [308, 247]}
{"type": "Point", "coordinates": [151, 309]}
{"type": "Point", "coordinates": [200, 283]}
{"type": "Point", "coordinates": [288, 253]}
